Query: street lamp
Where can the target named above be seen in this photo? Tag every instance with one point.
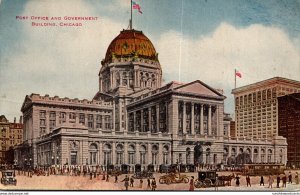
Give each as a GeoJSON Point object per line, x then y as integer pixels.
{"type": "Point", "coordinates": [52, 160]}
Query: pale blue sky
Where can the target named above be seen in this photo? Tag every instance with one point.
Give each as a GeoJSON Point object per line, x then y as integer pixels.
{"type": "Point", "coordinates": [195, 39]}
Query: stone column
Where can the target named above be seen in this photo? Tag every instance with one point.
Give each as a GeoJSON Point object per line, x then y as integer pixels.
{"type": "Point", "coordinates": [100, 157]}
{"type": "Point", "coordinates": [252, 154]}
{"type": "Point", "coordinates": [47, 122]}
{"type": "Point", "coordinates": [160, 154]}
{"type": "Point", "coordinates": [229, 151]}
{"type": "Point", "coordinates": [113, 153]}
{"type": "Point", "coordinates": [103, 121]}
{"type": "Point", "coordinates": [184, 118]}
{"type": "Point", "coordinates": [142, 120]}
{"type": "Point", "coordinates": [259, 154]}
{"type": "Point", "coordinates": [137, 153]}
{"type": "Point", "coordinates": [125, 153]}
{"type": "Point", "coordinates": [192, 119]}
{"type": "Point", "coordinates": [94, 121]}
{"type": "Point", "coordinates": [149, 119]}
{"type": "Point", "coordinates": [209, 120]}
{"type": "Point", "coordinates": [134, 121]}
{"type": "Point", "coordinates": [201, 120]}
{"type": "Point", "coordinates": [149, 153]}
{"type": "Point", "coordinates": [157, 118]}
{"type": "Point", "coordinates": [57, 119]}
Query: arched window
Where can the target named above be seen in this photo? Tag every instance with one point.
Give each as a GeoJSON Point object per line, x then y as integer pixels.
{"type": "Point", "coordinates": [255, 155]}
{"type": "Point", "coordinates": [269, 156]}
{"type": "Point", "coordinates": [131, 154]}
{"type": "Point", "coordinates": [93, 149]}
{"type": "Point", "coordinates": [154, 154]}
{"type": "Point", "coordinates": [262, 155]}
{"type": "Point", "coordinates": [120, 152]}
{"type": "Point", "coordinates": [142, 154]}
{"type": "Point", "coordinates": [233, 152]}
{"type": "Point", "coordinates": [107, 154]}
{"type": "Point", "coordinates": [165, 155]}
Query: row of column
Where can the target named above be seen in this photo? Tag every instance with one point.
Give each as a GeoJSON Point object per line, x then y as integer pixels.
{"type": "Point", "coordinates": [201, 118]}
{"type": "Point", "coordinates": [156, 120]}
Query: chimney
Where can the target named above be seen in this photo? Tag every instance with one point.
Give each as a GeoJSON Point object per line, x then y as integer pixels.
{"type": "Point", "coordinates": [14, 119]}
{"type": "Point", "coordinates": [21, 118]}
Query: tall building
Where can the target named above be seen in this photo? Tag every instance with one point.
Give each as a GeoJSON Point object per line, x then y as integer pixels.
{"type": "Point", "coordinates": [289, 126]}
{"type": "Point", "coordinates": [256, 106]}
{"type": "Point", "coordinates": [11, 135]}
{"type": "Point", "coordinates": [134, 119]}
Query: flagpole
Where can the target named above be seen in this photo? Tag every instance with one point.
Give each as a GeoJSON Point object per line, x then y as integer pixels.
{"type": "Point", "coordinates": [130, 14]}
{"type": "Point", "coordinates": [234, 78]}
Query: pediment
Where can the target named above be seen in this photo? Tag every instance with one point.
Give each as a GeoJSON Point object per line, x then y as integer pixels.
{"type": "Point", "coordinates": [198, 88]}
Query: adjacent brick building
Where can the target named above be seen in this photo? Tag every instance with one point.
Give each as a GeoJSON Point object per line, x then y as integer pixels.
{"type": "Point", "coordinates": [289, 126]}
{"type": "Point", "coordinates": [10, 136]}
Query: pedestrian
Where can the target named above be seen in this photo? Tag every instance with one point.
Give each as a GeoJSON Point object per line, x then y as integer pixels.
{"type": "Point", "coordinates": [116, 178]}
{"type": "Point", "coordinates": [237, 182]}
{"type": "Point", "coordinates": [148, 183]}
{"type": "Point", "coordinates": [126, 182]}
{"type": "Point", "coordinates": [297, 178]}
{"type": "Point", "coordinates": [262, 182]}
{"type": "Point", "coordinates": [278, 181]}
{"type": "Point", "coordinates": [248, 180]}
{"type": "Point", "coordinates": [103, 177]}
{"type": "Point", "coordinates": [153, 184]}
{"type": "Point", "coordinates": [271, 180]}
{"type": "Point", "coordinates": [91, 175]}
{"type": "Point", "coordinates": [107, 178]}
{"type": "Point", "coordinates": [191, 184]}
{"type": "Point", "coordinates": [290, 177]}
{"type": "Point", "coordinates": [284, 181]}
{"type": "Point", "coordinates": [141, 183]}
{"type": "Point", "coordinates": [131, 182]}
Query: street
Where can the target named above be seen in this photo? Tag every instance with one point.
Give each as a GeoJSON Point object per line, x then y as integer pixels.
{"type": "Point", "coordinates": [65, 182]}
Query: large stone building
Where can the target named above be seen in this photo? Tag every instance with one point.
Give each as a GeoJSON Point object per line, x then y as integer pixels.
{"type": "Point", "coordinates": [256, 107]}
{"type": "Point", "coordinates": [134, 119]}
{"type": "Point", "coordinates": [289, 126]}
{"type": "Point", "coordinates": [11, 135]}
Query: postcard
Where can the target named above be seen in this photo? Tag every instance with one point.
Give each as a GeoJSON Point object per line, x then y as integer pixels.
{"type": "Point", "coordinates": [140, 95]}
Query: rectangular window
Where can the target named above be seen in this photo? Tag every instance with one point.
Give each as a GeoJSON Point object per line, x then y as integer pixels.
{"type": "Point", "coordinates": [42, 114]}
{"type": "Point", "coordinates": [90, 121]}
{"type": "Point", "coordinates": [62, 117]}
{"type": "Point", "coordinates": [82, 118]}
{"type": "Point", "coordinates": [99, 122]}
{"type": "Point", "coordinates": [107, 122]}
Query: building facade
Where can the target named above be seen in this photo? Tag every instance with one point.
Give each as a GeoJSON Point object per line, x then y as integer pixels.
{"type": "Point", "coordinates": [289, 126]}
{"type": "Point", "coordinates": [134, 119]}
{"type": "Point", "coordinates": [256, 107]}
{"type": "Point", "coordinates": [11, 135]}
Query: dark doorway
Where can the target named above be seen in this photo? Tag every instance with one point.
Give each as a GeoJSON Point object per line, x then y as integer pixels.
{"type": "Point", "coordinates": [198, 151]}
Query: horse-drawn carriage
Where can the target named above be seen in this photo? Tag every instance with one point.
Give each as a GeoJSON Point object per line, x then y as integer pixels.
{"type": "Point", "coordinates": [173, 178]}
{"type": "Point", "coordinates": [211, 178]}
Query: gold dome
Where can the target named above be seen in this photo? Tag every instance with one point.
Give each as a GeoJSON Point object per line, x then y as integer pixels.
{"type": "Point", "coordinates": [130, 43]}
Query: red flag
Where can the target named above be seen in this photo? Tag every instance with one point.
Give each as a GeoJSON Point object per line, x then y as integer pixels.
{"type": "Point", "coordinates": [136, 6]}
{"type": "Point", "coordinates": [237, 73]}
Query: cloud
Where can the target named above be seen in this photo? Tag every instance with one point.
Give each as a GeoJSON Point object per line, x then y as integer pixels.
{"type": "Point", "coordinates": [62, 61]}
{"type": "Point", "coordinates": [258, 52]}
{"type": "Point", "coordinates": [65, 61]}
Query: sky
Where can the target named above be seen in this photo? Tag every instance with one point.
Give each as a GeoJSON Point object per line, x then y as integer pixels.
{"type": "Point", "coordinates": [195, 39]}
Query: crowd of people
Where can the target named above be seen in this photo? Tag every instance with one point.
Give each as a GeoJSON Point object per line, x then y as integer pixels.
{"type": "Point", "coordinates": [129, 182]}
{"type": "Point", "coordinates": [271, 179]}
